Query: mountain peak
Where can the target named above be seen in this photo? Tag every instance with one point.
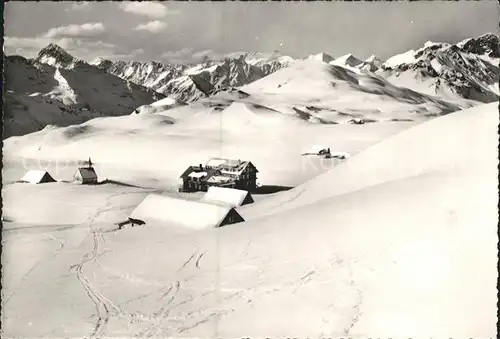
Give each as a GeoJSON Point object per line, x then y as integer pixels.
{"type": "Point", "coordinates": [371, 64]}
{"type": "Point", "coordinates": [55, 55]}
{"type": "Point", "coordinates": [488, 36]}
{"type": "Point", "coordinates": [322, 56]}
{"type": "Point", "coordinates": [97, 61]}
{"type": "Point", "coordinates": [486, 44]}
{"type": "Point", "coordinates": [53, 49]}
{"type": "Point", "coordinates": [347, 60]}
{"type": "Point", "coordinates": [429, 43]}
{"type": "Point", "coordinates": [373, 58]}
{"type": "Point", "coordinates": [101, 63]}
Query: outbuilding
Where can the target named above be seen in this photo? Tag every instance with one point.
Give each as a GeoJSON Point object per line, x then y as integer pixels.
{"type": "Point", "coordinates": [186, 213]}
{"type": "Point", "coordinates": [85, 176]}
{"type": "Point", "coordinates": [37, 177]}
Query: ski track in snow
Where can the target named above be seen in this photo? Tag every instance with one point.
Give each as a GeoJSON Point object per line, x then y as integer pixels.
{"type": "Point", "coordinates": [103, 305]}
{"type": "Point", "coordinates": [105, 308]}
{"type": "Point", "coordinates": [100, 302]}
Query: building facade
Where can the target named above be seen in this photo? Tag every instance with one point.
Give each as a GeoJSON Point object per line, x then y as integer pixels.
{"type": "Point", "coordinates": [220, 172]}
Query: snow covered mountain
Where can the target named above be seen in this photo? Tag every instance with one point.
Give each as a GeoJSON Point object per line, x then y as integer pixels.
{"type": "Point", "coordinates": [467, 70]}
{"type": "Point", "coordinates": [308, 92]}
{"type": "Point", "coordinates": [486, 47]}
{"type": "Point", "coordinates": [330, 93]}
{"type": "Point", "coordinates": [371, 64]}
{"type": "Point", "coordinates": [324, 57]}
{"type": "Point", "coordinates": [151, 74]}
{"type": "Point", "coordinates": [346, 60]}
{"type": "Point", "coordinates": [187, 83]}
{"type": "Point", "coordinates": [56, 88]}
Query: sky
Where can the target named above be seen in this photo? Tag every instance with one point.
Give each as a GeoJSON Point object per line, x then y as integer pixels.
{"type": "Point", "coordinates": [183, 32]}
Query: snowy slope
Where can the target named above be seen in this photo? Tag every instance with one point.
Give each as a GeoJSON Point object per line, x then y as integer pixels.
{"type": "Point", "coordinates": [422, 159]}
{"type": "Point", "coordinates": [379, 253]}
{"type": "Point", "coordinates": [306, 96]}
{"type": "Point", "coordinates": [154, 149]}
{"type": "Point", "coordinates": [334, 93]}
{"type": "Point", "coordinates": [25, 114]}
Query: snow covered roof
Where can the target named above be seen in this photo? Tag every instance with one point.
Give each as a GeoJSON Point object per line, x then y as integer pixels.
{"type": "Point", "coordinates": [230, 196]}
{"type": "Point", "coordinates": [216, 162]}
{"type": "Point", "coordinates": [187, 213]}
{"type": "Point", "coordinates": [197, 174]}
{"type": "Point", "coordinates": [238, 165]}
{"type": "Point", "coordinates": [37, 177]}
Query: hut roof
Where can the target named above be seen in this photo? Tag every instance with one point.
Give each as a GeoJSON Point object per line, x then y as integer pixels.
{"type": "Point", "coordinates": [230, 196]}
{"type": "Point", "coordinates": [187, 213]}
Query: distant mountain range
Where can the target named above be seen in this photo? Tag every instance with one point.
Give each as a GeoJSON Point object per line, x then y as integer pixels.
{"type": "Point", "coordinates": [468, 69]}
{"type": "Point", "coordinates": [187, 83]}
{"type": "Point", "coordinates": [57, 88]}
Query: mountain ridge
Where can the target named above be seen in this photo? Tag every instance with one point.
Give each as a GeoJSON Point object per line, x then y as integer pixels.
{"type": "Point", "coordinates": [467, 70]}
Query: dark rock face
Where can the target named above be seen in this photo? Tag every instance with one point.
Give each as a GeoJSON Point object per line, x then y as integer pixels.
{"type": "Point", "coordinates": [62, 57]}
{"type": "Point", "coordinates": [488, 44]}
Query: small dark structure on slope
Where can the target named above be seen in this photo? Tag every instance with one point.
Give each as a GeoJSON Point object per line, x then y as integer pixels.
{"type": "Point", "coordinates": [86, 175]}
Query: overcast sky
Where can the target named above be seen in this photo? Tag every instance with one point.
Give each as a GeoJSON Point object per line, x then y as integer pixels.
{"type": "Point", "coordinates": [186, 31]}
